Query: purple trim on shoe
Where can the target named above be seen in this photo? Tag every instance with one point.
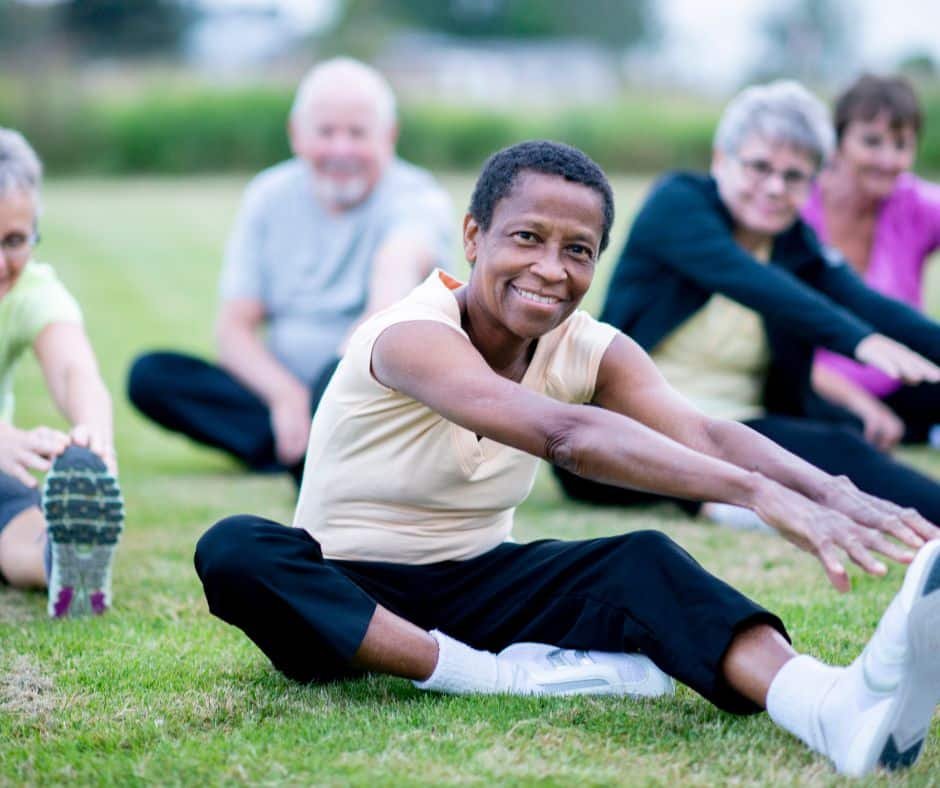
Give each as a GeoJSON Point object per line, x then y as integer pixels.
{"type": "Point", "coordinates": [96, 599]}
{"type": "Point", "coordinates": [64, 601]}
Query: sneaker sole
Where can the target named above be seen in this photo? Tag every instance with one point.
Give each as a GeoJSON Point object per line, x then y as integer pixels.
{"type": "Point", "coordinates": [922, 689]}
{"type": "Point", "coordinates": [84, 513]}
{"type": "Point", "coordinates": [900, 739]}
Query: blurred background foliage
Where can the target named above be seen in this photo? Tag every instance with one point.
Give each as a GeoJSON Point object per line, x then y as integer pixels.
{"type": "Point", "coordinates": [127, 86]}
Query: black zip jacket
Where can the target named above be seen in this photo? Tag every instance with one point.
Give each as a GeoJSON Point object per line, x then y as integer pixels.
{"type": "Point", "coordinates": [681, 250]}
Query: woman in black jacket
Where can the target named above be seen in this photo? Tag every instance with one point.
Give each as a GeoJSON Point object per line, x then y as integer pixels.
{"type": "Point", "coordinates": [730, 292]}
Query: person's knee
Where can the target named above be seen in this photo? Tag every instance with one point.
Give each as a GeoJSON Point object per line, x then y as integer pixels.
{"type": "Point", "coordinates": [649, 542]}
{"type": "Point", "coordinates": [149, 376]}
{"type": "Point", "coordinates": [228, 552]}
{"type": "Point", "coordinates": [626, 552]}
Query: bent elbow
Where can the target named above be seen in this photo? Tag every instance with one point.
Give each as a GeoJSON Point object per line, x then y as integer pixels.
{"type": "Point", "coordinates": [563, 446]}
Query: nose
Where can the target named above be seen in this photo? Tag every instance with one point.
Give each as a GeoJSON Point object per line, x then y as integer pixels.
{"type": "Point", "coordinates": [549, 266]}
{"type": "Point", "coordinates": [774, 183]}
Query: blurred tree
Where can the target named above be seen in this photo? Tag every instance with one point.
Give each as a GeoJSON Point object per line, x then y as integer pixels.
{"type": "Point", "coordinates": [919, 65]}
{"type": "Point", "coordinates": [615, 23]}
{"type": "Point", "coordinates": [125, 27]}
{"type": "Point", "coordinates": [23, 26]}
{"type": "Point", "coordinates": [809, 40]}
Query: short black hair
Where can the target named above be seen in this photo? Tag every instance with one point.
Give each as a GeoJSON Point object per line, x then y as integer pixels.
{"type": "Point", "coordinates": [543, 156]}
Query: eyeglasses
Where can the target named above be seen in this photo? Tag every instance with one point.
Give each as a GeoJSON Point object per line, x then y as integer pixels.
{"type": "Point", "coordinates": [18, 244]}
{"type": "Point", "coordinates": [759, 170]}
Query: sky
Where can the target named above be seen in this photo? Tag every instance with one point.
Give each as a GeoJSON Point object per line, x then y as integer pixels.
{"type": "Point", "coordinates": [727, 33]}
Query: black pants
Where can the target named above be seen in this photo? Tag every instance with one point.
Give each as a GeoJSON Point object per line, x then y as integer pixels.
{"type": "Point", "coordinates": [919, 409]}
{"type": "Point", "coordinates": [835, 448]}
{"type": "Point", "coordinates": [204, 402]}
{"type": "Point", "coordinates": [639, 592]}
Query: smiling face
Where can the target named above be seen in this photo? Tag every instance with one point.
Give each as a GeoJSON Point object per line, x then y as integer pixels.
{"type": "Point", "coordinates": [17, 225]}
{"type": "Point", "coordinates": [342, 135]}
{"type": "Point", "coordinates": [535, 262]}
{"type": "Point", "coordinates": [874, 153]}
{"type": "Point", "coordinates": [764, 184]}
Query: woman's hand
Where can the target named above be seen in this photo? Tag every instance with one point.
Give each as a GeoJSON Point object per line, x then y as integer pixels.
{"type": "Point", "coordinates": [904, 524]}
{"type": "Point", "coordinates": [896, 360]}
{"type": "Point", "coordinates": [22, 450]}
{"type": "Point", "coordinates": [827, 533]}
{"type": "Point", "coordinates": [290, 422]}
{"type": "Point", "coordinates": [883, 427]}
{"type": "Point", "coordinates": [84, 435]}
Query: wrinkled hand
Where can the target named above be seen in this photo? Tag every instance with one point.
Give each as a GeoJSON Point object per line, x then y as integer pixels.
{"type": "Point", "coordinates": [290, 421]}
{"type": "Point", "coordinates": [83, 435]}
{"type": "Point", "coordinates": [22, 450]}
{"type": "Point", "coordinates": [883, 427]}
{"type": "Point", "coordinates": [896, 360]}
{"type": "Point", "coordinates": [904, 524]}
{"type": "Point", "coordinates": [828, 533]}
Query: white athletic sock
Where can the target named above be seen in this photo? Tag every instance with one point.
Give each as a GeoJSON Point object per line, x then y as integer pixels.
{"type": "Point", "coordinates": [832, 710]}
{"type": "Point", "coordinates": [794, 697]}
{"type": "Point", "coordinates": [460, 670]}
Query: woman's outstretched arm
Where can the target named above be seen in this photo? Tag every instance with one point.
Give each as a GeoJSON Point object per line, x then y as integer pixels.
{"type": "Point", "coordinates": [665, 449]}
{"type": "Point", "coordinates": [71, 371]}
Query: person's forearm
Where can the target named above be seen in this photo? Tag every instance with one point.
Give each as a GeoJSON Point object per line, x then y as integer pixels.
{"type": "Point", "coordinates": [746, 448]}
{"type": "Point", "coordinates": [85, 400]}
{"type": "Point", "coordinates": [243, 354]}
{"type": "Point", "coordinates": [840, 391]}
{"type": "Point", "coordinates": [643, 459]}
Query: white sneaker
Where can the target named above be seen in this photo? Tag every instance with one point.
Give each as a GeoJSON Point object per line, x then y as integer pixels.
{"type": "Point", "coordinates": [549, 670]}
{"type": "Point", "coordinates": [878, 711]}
{"type": "Point", "coordinates": [737, 518]}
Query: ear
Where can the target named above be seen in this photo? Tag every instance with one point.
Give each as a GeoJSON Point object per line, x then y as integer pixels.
{"type": "Point", "coordinates": [471, 235]}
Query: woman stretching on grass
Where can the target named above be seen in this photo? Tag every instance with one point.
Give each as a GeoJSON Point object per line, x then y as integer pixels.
{"type": "Point", "coordinates": [426, 440]}
{"type": "Point", "coordinates": [66, 539]}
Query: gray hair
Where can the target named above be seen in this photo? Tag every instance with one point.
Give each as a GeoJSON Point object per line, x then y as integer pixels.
{"type": "Point", "coordinates": [353, 72]}
{"type": "Point", "coordinates": [783, 112]}
{"type": "Point", "coordinates": [20, 168]}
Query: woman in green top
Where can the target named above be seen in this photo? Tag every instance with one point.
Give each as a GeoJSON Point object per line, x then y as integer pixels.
{"type": "Point", "coordinates": [64, 539]}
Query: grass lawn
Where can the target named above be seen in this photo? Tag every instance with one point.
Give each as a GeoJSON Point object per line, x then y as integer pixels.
{"type": "Point", "coordinates": [158, 691]}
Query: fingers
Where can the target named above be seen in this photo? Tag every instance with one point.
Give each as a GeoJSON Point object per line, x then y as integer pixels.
{"type": "Point", "coordinates": [912, 367]}
{"type": "Point", "coordinates": [896, 360]}
{"type": "Point", "coordinates": [46, 441]}
{"type": "Point", "coordinates": [109, 455]}
{"type": "Point", "coordinates": [19, 473]}
{"type": "Point", "coordinates": [854, 544]}
{"type": "Point", "coordinates": [925, 529]}
{"type": "Point", "coordinates": [881, 544]}
{"type": "Point", "coordinates": [828, 555]}
{"type": "Point", "coordinates": [895, 526]}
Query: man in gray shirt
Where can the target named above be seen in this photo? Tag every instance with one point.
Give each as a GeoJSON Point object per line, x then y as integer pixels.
{"type": "Point", "coordinates": [321, 242]}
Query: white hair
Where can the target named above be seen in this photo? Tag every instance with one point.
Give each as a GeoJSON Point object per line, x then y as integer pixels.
{"type": "Point", "coordinates": [783, 112]}
{"type": "Point", "coordinates": [351, 72]}
{"type": "Point", "coordinates": [20, 168]}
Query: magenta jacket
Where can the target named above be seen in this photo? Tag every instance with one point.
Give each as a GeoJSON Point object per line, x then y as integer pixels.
{"type": "Point", "coordinates": [907, 231]}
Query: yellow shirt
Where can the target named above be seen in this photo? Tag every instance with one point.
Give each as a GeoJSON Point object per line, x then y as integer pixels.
{"type": "Point", "coordinates": [37, 299]}
{"type": "Point", "coordinates": [718, 358]}
{"type": "Point", "coordinates": [389, 479]}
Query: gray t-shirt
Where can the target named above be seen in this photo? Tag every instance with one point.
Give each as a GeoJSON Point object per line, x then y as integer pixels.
{"type": "Point", "coordinates": [311, 268]}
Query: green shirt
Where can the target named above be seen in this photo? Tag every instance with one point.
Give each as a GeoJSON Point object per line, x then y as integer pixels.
{"type": "Point", "coordinates": [37, 299]}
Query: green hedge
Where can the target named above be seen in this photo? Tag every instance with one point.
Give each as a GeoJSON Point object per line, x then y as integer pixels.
{"type": "Point", "coordinates": [185, 129]}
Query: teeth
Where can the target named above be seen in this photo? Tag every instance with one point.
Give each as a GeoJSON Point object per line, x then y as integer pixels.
{"type": "Point", "coordinates": [539, 299]}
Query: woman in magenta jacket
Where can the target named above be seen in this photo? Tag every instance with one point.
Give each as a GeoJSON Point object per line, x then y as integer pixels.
{"type": "Point", "coordinates": [886, 222]}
